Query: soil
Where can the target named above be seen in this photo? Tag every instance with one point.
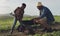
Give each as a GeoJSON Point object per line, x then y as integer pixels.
{"type": "Point", "coordinates": [16, 33]}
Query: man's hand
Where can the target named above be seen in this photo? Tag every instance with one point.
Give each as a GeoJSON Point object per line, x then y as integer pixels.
{"type": "Point", "coordinates": [36, 20]}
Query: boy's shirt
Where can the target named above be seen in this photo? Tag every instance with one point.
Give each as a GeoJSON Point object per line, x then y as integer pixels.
{"type": "Point", "coordinates": [19, 13]}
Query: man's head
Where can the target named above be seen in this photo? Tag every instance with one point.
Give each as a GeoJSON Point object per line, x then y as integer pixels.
{"type": "Point", "coordinates": [23, 5]}
{"type": "Point", "coordinates": [39, 5]}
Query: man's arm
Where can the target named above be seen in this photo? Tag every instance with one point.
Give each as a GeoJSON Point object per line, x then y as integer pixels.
{"type": "Point", "coordinates": [43, 13]}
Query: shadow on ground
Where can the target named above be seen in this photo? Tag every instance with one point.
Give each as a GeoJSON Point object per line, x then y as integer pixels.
{"type": "Point", "coordinates": [55, 26]}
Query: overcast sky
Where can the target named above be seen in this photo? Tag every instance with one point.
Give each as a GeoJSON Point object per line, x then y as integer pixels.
{"type": "Point", "coordinates": [7, 6]}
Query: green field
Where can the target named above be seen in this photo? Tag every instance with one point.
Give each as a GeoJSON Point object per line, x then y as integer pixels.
{"type": "Point", "coordinates": [7, 22]}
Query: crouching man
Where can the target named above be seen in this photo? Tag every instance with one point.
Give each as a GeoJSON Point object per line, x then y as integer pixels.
{"type": "Point", "coordinates": [45, 18]}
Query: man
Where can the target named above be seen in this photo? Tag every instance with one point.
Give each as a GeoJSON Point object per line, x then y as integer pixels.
{"type": "Point", "coordinates": [46, 18]}
{"type": "Point", "coordinates": [18, 14]}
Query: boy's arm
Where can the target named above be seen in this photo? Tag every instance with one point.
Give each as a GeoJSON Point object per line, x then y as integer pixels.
{"type": "Point", "coordinates": [16, 9]}
{"type": "Point", "coordinates": [12, 14]}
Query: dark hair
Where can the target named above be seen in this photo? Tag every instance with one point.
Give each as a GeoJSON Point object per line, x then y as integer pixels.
{"type": "Point", "coordinates": [23, 4]}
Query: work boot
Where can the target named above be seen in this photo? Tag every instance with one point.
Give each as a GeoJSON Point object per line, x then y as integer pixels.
{"type": "Point", "coordinates": [47, 30]}
{"type": "Point", "coordinates": [50, 30]}
{"type": "Point", "coordinates": [21, 29]}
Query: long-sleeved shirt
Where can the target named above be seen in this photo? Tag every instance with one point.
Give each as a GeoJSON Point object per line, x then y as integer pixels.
{"type": "Point", "coordinates": [45, 12]}
{"type": "Point", "coordinates": [19, 13]}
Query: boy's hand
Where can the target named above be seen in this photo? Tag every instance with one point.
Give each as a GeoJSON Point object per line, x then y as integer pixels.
{"type": "Point", "coordinates": [12, 14]}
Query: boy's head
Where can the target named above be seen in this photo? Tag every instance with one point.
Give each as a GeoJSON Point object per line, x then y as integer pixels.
{"type": "Point", "coordinates": [23, 5]}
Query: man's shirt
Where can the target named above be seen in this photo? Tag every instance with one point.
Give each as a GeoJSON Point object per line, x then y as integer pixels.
{"type": "Point", "coordinates": [45, 12]}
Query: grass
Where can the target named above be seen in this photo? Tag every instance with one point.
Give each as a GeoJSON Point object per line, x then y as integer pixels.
{"type": "Point", "coordinates": [7, 22]}
{"type": "Point", "coordinates": [57, 18]}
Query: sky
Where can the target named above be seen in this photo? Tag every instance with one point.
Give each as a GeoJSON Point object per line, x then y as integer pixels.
{"type": "Point", "coordinates": [8, 6]}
